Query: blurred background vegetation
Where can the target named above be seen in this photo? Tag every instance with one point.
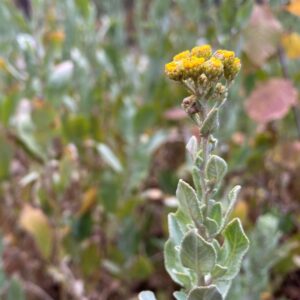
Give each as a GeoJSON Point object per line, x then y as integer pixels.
{"type": "Point", "coordinates": [92, 142]}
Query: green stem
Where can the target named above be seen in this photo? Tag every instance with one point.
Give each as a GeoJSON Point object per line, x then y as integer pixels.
{"type": "Point", "coordinates": [205, 149]}
{"type": "Point", "coordinates": [201, 280]}
{"type": "Point", "coordinates": [204, 144]}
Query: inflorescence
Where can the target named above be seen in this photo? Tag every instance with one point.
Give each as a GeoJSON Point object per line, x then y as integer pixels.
{"type": "Point", "coordinates": [205, 74]}
{"type": "Point", "coordinates": [200, 68]}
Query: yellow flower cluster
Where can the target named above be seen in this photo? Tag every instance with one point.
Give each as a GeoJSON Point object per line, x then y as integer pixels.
{"type": "Point", "coordinates": [232, 64]}
{"type": "Point", "coordinates": [202, 51]}
{"type": "Point", "coordinates": [200, 60]}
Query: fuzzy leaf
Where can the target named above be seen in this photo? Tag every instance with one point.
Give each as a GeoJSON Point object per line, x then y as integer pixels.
{"type": "Point", "coordinates": [109, 157]}
{"type": "Point", "coordinates": [192, 146]}
{"type": "Point", "coordinates": [183, 221]}
{"type": "Point", "coordinates": [173, 266]}
{"type": "Point", "coordinates": [205, 293]}
{"type": "Point", "coordinates": [197, 254]}
{"type": "Point", "coordinates": [196, 180]}
{"type": "Point", "coordinates": [211, 122]}
{"type": "Point", "coordinates": [234, 248]}
{"type": "Point", "coordinates": [215, 169]}
{"type": "Point", "coordinates": [35, 222]}
{"type": "Point", "coordinates": [147, 295]}
{"type": "Point", "coordinates": [217, 247]}
{"type": "Point", "coordinates": [211, 226]}
{"type": "Point", "coordinates": [232, 198]}
{"type": "Point", "coordinates": [216, 213]}
{"type": "Point", "coordinates": [180, 295]}
{"type": "Point", "coordinates": [176, 234]}
{"type": "Point", "coordinates": [223, 286]}
{"type": "Point", "coordinates": [218, 271]}
{"type": "Point", "coordinates": [188, 201]}
{"type": "Point", "coordinates": [199, 158]}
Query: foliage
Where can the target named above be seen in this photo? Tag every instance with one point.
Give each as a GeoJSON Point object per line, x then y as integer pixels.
{"type": "Point", "coordinates": [194, 256]}
{"type": "Point", "coordinates": [90, 156]}
{"type": "Point", "coordinates": [263, 254]}
{"type": "Point", "coordinates": [10, 288]}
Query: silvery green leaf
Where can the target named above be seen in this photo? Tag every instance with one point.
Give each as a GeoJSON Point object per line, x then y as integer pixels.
{"type": "Point", "coordinates": [232, 198]}
{"type": "Point", "coordinates": [205, 293]}
{"type": "Point", "coordinates": [211, 226]}
{"type": "Point", "coordinates": [218, 271]}
{"type": "Point", "coordinates": [180, 295]}
{"type": "Point", "coordinates": [223, 286]}
{"type": "Point", "coordinates": [234, 248]}
{"type": "Point", "coordinates": [26, 130]}
{"type": "Point", "coordinates": [176, 234]}
{"type": "Point", "coordinates": [197, 180]}
{"type": "Point", "coordinates": [109, 157]}
{"type": "Point", "coordinates": [216, 213]}
{"type": "Point", "coordinates": [183, 221]}
{"type": "Point", "coordinates": [211, 122]}
{"type": "Point", "coordinates": [188, 201]}
{"type": "Point", "coordinates": [192, 147]}
{"type": "Point", "coordinates": [199, 158]}
{"type": "Point", "coordinates": [197, 254]}
{"type": "Point", "coordinates": [173, 266]}
{"type": "Point", "coordinates": [217, 247]}
{"type": "Point", "coordinates": [147, 295]}
{"type": "Point", "coordinates": [61, 75]}
{"type": "Point", "coordinates": [215, 169]}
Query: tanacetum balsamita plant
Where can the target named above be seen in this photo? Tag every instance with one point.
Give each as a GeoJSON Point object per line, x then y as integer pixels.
{"type": "Point", "coordinates": [205, 248]}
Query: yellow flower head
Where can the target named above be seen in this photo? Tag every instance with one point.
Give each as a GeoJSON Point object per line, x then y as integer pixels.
{"type": "Point", "coordinates": [173, 70]}
{"type": "Point", "coordinates": [213, 68]}
{"type": "Point", "coordinates": [200, 66]}
{"type": "Point", "coordinates": [182, 55]}
{"type": "Point", "coordinates": [232, 69]}
{"type": "Point", "coordinates": [202, 51]}
{"type": "Point", "coordinates": [225, 56]}
{"type": "Point", "coordinates": [192, 66]}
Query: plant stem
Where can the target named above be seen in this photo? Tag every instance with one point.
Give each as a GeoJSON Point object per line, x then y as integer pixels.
{"type": "Point", "coordinates": [201, 280]}
{"type": "Point", "coordinates": [204, 146]}
{"type": "Point", "coordinates": [205, 149]}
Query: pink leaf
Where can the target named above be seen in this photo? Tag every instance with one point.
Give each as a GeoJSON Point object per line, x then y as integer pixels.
{"type": "Point", "coordinates": [271, 100]}
{"type": "Point", "coordinates": [175, 113]}
{"type": "Point", "coordinates": [262, 34]}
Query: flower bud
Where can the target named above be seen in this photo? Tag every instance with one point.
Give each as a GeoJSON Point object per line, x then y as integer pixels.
{"type": "Point", "coordinates": [213, 68]}
{"type": "Point", "coordinates": [192, 66]}
{"type": "Point", "coordinates": [188, 101]}
{"type": "Point", "coordinates": [182, 55]}
{"type": "Point", "coordinates": [189, 105]}
{"type": "Point", "coordinates": [202, 51]}
{"type": "Point", "coordinates": [232, 69]}
{"type": "Point", "coordinates": [220, 90]}
{"type": "Point", "coordinates": [202, 79]}
{"type": "Point", "coordinates": [225, 56]}
{"type": "Point", "coordinates": [173, 70]}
